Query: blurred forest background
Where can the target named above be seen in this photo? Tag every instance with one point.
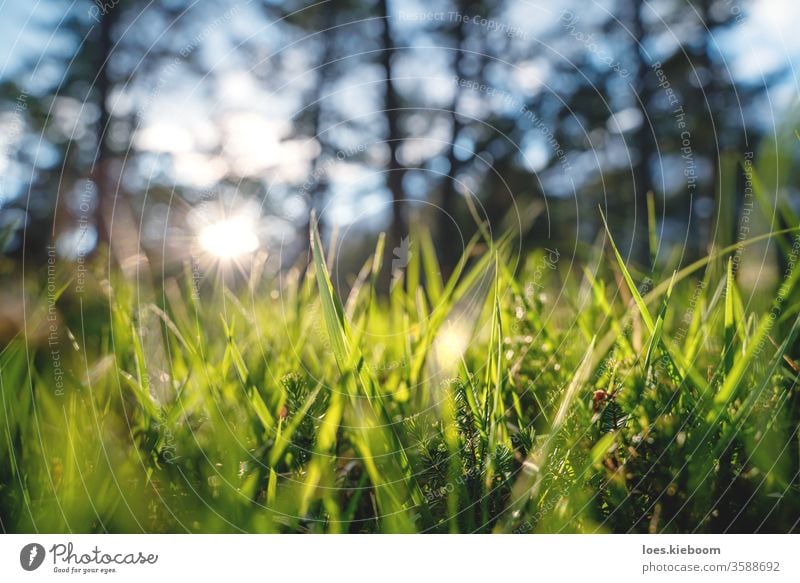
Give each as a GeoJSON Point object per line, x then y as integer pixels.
{"type": "Point", "coordinates": [119, 120]}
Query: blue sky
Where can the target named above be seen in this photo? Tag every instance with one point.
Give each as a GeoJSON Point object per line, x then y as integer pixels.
{"type": "Point", "coordinates": [767, 36]}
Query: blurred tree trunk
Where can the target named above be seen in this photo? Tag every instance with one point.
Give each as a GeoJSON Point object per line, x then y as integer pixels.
{"type": "Point", "coordinates": [642, 141]}
{"type": "Point", "coordinates": [448, 223]}
{"type": "Point", "coordinates": [114, 215]}
{"type": "Point", "coordinates": [395, 171]}
{"type": "Point", "coordinates": [101, 167]}
{"type": "Point", "coordinates": [324, 23]}
{"type": "Point", "coordinates": [709, 93]}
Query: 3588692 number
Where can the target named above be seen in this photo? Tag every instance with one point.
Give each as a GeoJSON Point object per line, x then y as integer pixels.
{"type": "Point", "coordinates": [755, 566]}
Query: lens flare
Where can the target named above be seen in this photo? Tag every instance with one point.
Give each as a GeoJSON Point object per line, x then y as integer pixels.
{"type": "Point", "coordinates": [229, 238]}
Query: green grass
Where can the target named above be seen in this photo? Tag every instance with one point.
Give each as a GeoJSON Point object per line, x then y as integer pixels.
{"type": "Point", "coordinates": [509, 397]}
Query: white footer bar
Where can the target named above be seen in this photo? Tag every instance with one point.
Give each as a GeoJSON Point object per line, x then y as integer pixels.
{"type": "Point", "coordinates": [414, 559]}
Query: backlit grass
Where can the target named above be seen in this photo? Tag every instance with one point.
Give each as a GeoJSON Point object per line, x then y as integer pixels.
{"type": "Point", "coordinates": [516, 395]}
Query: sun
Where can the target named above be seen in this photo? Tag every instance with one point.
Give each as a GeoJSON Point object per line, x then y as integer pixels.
{"type": "Point", "coordinates": [226, 231]}
{"type": "Point", "coordinates": [229, 238]}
